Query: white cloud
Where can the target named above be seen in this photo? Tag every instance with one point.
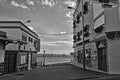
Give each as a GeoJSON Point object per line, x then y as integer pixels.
{"type": "Point", "coordinates": [66, 42]}
{"type": "Point", "coordinates": [29, 2]}
{"type": "Point", "coordinates": [48, 43]}
{"type": "Point", "coordinates": [54, 43]}
{"type": "Point", "coordinates": [16, 4]}
{"type": "Point", "coordinates": [50, 3]}
{"type": "Point", "coordinates": [63, 32]}
{"type": "Point", "coordinates": [31, 27]}
{"type": "Point", "coordinates": [70, 3]}
{"type": "Point", "coordinates": [69, 14]}
{"type": "Point", "coordinates": [70, 18]}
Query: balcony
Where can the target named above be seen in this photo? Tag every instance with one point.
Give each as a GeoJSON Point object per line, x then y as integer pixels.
{"type": "Point", "coordinates": [115, 35]}
{"type": "Point", "coordinates": [85, 6]}
{"type": "Point", "coordinates": [99, 29]}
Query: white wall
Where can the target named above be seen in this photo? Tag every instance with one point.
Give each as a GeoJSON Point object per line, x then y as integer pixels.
{"type": "Point", "coordinates": [16, 34]}
{"type": "Point", "coordinates": [2, 51]}
{"type": "Point", "coordinates": [114, 56]}
{"type": "Point", "coordinates": [29, 45]}
{"type": "Point", "coordinates": [112, 21]}
{"type": "Point", "coordinates": [9, 24]}
{"type": "Point", "coordinates": [12, 33]}
{"type": "Point", "coordinates": [97, 9]}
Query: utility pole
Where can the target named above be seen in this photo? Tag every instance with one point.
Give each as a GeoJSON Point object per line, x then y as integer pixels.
{"type": "Point", "coordinates": [82, 15]}
{"type": "Point", "coordinates": [44, 58]}
{"type": "Point", "coordinates": [84, 68]}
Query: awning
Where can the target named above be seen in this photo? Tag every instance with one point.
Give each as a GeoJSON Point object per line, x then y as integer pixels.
{"type": "Point", "coordinates": [5, 39]}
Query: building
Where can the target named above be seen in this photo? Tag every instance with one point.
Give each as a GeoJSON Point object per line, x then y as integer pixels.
{"type": "Point", "coordinates": [3, 42]}
{"type": "Point", "coordinates": [21, 54]}
{"type": "Point", "coordinates": [101, 34]}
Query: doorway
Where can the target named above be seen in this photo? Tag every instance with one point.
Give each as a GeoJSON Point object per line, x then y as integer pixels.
{"type": "Point", "coordinates": [102, 59]}
{"type": "Point", "coordinates": [10, 62]}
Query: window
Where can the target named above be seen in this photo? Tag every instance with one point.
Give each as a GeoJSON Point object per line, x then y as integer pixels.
{"type": "Point", "coordinates": [24, 38]}
{"type": "Point", "coordinates": [85, 6]}
{"type": "Point", "coordinates": [80, 56]}
{"type": "Point", "coordinates": [35, 43]}
{"type": "Point", "coordinates": [88, 57]}
{"type": "Point", "coordinates": [108, 1]}
{"type": "Point", "coordinates": [75, 37]}
{"type": "Point", "coordinates": [78, 18]}
{"type": "Point", "coordinates": [104, 1]}
{"type": "Point", "coordinates": [74, 24]}
{"type": "Point", "coordinates": [23, 59]}
{"type": "Point", "coordinates": [30, 39]}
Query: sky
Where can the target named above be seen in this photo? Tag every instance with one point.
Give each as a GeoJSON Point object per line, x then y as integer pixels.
{"type": "Point", "coordinates": [50, 19]}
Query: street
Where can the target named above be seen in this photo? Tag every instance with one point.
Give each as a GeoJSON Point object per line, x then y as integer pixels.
{"type": "Point", "coordinates": [63, 72]}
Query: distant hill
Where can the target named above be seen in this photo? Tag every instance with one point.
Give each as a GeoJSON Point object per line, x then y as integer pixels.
{"type": "Point", "coordinates": [53, 55]}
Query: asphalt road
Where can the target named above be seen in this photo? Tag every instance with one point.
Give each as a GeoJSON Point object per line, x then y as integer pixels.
{"type": "Point", "coordinates": [64, 72]}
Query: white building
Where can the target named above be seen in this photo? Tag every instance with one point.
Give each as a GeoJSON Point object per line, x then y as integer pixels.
{"type": "Point", "coordinates": [102, 35]}
{"type": "Point", "coordinates": [3, 42]}
{"type": "Point", "coordinates": [21, 54]}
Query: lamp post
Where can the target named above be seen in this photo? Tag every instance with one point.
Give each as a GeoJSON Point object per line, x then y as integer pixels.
{"type": "Point", "coordinates": [82, 15]}
{"type": "Point", "coordinates": [44, 58]}
{"type": "Point", "coordinates": [28, 21]}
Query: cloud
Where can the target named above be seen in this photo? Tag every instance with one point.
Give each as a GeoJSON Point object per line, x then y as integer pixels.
{"type": "Point", "coordinates": [29, 2]}
{"type": "Point", "coordinates": [69, 14]}
{"type": "Point", "coordinates": [54, 43]}
{"type": "Point", "coordinates": [63, 32]}
{"type": "Point", "coordinates": [48, 43]}
{"type": "Point", "coordinates": [16, 4]}
{"type": "Point", "coordinates": [50, 3]}
{"type": "Point", "coordinates": [70, 3]}
{"type": "Point", "coordinates": [31, 27]}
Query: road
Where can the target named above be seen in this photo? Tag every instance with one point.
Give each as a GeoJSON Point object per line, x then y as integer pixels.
{"type": "Point", "coordinates": [64, 72]}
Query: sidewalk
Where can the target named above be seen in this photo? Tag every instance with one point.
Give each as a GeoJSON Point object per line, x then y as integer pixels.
{"type": "Point", "coordinates": [63, 72]}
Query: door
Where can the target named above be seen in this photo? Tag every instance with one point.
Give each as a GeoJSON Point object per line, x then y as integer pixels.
{"type": "Point", "coordinates": [102, 60]}
{"type": "Point", "coordinates": [10, 62]}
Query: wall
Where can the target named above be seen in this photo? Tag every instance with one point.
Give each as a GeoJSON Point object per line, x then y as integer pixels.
{"type": "Point", "coordinates": [97, 9]}
{"type": "Point", "coordinates": [114, 56]}
{"type": "Point", "coordinates": [112, 19]}
{"type": "Point", "coordinates": [30, 45]}
{"type": "Point", "coordinates": [2, 24]}
{"type": "Point", "coordinates": [12, 33]}
{"type": "Point", "coordinates": [1, 51]}
{"type": "Point", "coordinates": [2, 55]}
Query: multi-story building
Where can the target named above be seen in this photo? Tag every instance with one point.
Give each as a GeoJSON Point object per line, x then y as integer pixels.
{"type": "Point", "coordinates": [3, 42]}
{"type": "Point", "coordinates": [22, 53]}
{"type": "Point", "coordinates": [101, 34]}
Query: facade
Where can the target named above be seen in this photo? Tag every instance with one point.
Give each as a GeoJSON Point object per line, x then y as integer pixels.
{"type": "Point", "coordinates": [22, 53]}
{"type": "Point", "coordinates": [101, 33]}
{"type": "Point", "coordinates": [3, 42]}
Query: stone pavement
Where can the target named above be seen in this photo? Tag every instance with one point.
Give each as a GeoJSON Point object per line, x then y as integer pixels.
{"type": "Point", "coordinates": [64, 72]}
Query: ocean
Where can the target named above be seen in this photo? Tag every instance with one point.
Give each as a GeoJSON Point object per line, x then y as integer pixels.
{"type": "Point", "coordinates": [53, 60]}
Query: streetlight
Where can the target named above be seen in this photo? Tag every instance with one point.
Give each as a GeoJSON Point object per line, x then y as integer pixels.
{"type": "Point", "coordinates": [72, 8]}
{"type": "Point", "coordinates": [82, 15]}
{"type": "Point", "coordinates": [43, 57]}
{"type": "Point", "coordinates": [28, 21]}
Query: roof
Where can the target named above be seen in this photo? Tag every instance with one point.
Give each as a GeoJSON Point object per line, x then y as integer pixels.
{"type": "Point", "coordinates": [20, 23]}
